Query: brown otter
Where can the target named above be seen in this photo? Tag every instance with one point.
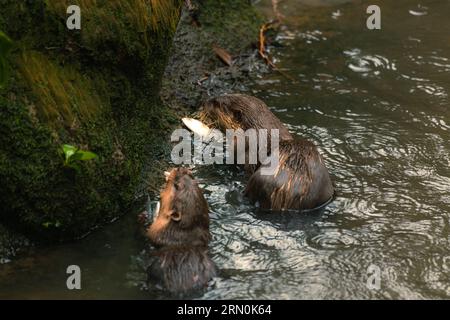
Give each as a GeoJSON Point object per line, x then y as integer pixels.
{"type": "Point", "coordinates": [301, 180]}
{"type": "Point", "coordinates": [240, 111]}
{"type": "Point", "coordinates": [180, 232]}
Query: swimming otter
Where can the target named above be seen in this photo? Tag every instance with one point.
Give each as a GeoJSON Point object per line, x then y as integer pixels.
{"type": "Point", "coordinates": [180, 232]}
{"type": "Point", "coordinates": [300, 182]}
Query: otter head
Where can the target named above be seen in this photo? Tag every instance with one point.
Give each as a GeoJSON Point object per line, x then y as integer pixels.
{"type": "Point", "coordinates": [183, 217]}
{"type": "Point", "coordinates": [240, 111]}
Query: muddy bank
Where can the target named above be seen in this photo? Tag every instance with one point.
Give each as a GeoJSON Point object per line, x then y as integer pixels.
{"type": "Point", "coordinates": [195, 71]}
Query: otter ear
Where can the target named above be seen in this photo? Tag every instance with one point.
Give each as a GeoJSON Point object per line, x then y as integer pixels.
{"type": "Point", "coordinates": [175, 216]}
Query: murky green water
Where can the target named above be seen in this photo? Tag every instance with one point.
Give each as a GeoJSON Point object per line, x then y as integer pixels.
{"type": "Point", "coordinates": [377, 104]}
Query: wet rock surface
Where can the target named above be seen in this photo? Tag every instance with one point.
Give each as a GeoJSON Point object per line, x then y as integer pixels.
{"type": "Point", "coordinates": [195, 72]}
{"type": "Point", "coordinates": [11, 244]}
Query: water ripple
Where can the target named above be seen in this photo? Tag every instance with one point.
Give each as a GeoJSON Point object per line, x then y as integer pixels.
{"type": "Point", "coordinates": [368, 64]}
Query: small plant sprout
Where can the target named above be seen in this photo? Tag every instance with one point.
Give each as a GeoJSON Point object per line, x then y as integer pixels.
{"type": "Point", "coordinates": [72, 155]}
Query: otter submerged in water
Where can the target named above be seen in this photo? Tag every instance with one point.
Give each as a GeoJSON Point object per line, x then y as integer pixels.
{"type": "Point", "coordinates": [180, 232]}
{"type": "Point", "coordinates": [300, 181]}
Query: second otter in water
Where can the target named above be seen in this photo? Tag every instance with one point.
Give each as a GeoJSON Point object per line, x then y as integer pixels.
{"type": "Point", "coordinates": [181, 233]}
{"type": "Point", "coordinates": [300, 182]}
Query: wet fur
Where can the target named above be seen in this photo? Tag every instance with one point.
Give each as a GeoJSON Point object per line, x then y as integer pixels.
{"type": "Point", "coordinates": [181, 262]}
{"type": "Point", "coordinates": [181, 269]}
{"type": "Point", "coordinates": [301, 181]}
{"type": "Point", "coordinates": [238, 111]}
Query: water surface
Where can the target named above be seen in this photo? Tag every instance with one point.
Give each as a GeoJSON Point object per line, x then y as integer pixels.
{"type": "Point", "coordinates": [376, 103]}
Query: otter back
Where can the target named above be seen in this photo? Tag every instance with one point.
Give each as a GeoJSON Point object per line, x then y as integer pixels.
{"type": "Point", "coordinates": [301, 180]}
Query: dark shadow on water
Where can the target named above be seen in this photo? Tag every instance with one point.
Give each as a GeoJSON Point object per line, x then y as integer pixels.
{"type": "Point", "coordinates": [291, 221]}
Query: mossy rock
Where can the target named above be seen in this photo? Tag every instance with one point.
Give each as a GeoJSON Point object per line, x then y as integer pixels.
{"type": "Point", "coordinates": [231, 24]}
{"type": "Point", "coordinates": [98, 89]}
{"type": "Point", "coordinates": [95, 88]}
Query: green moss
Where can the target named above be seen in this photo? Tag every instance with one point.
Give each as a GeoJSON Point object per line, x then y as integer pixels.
{"type": "Point", "coordinates": [233, 24]}
{"type": "Point", "coordinates": [122, 29]}
{"type": "Point", "coordinates": [63, 95]}
{"type": "Point", "coordinates": [37, 189]}
{"type": "Point", "coordinates": [96, 89]}
{"type": "Point", "coordinates": [159, 14]}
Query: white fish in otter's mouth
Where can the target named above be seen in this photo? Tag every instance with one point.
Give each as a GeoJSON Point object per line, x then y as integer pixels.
{"type": "Point", "coordinates": [197, 126]}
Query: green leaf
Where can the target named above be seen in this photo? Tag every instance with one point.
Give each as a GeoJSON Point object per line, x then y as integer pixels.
{"type": "Point", "coordinates": [69, 151]}
{"type": "Point", "coordinates": [87, 155]}
{"type": "Point", "coordinates": [76, 156]}
{"type": "Point", "coordinates": [68, 148]}
{"type": "Point", "coordinates": [73, 154]}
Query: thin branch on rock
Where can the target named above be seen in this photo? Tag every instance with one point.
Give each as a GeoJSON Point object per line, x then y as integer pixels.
{"type": "Point", "coordinates": [262, 42]}
{"type": "Point", "coordinates": [262, 46]}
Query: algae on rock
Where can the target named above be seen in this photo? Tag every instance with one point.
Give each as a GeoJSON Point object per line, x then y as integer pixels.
{"type": "Point", "coordinates": [96, 88]}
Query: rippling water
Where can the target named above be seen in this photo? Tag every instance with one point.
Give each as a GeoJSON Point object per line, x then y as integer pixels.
{"type": "Point", "coordinates": [376, 102]}
{"type": "Point", "coordinates": [377, 105]}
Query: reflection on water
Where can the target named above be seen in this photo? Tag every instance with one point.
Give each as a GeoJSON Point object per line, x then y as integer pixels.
{"type": "Point", "coordinates": [376, 102]}
{"type": "Point", "coordinates": [377, 105]}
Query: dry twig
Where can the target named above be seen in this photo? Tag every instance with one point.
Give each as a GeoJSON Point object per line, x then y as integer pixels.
{"type": "Point", "coordinates": [262, 42]}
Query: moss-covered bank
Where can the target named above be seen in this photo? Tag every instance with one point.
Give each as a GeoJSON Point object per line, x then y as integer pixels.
{"type": "Point", "coordinates": [96, 88]}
